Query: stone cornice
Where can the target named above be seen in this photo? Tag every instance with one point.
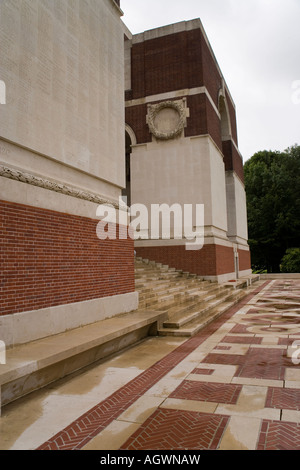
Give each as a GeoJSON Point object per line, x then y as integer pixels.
{"type": "Point", "coordinates": [121, 13]}
{"type": "Point", "coordinates": [28, 178]}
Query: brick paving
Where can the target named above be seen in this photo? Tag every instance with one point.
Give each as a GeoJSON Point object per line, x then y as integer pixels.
{"type": "Point", "coordinates": [213, 392]}
{"type": "Point", "coordinates": [281, 398]}
{"type": "Point", "coordinates": [178, 430]}
{"type": "Point", "coordinates": [279, 436]}
{"type": "Point", "coordinates": [245, 371]}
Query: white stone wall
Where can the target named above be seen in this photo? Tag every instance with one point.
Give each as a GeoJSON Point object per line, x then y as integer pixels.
{"type": "Point", "coordinates": [63, 65]}
{"type": "Point", "coordinates": [237, 209]}
{"type": "Point", "coordinates": [182, 171]}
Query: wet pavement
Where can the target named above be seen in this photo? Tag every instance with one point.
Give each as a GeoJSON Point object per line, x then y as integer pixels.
{"type": "Point", "coordinates": [233, 386]}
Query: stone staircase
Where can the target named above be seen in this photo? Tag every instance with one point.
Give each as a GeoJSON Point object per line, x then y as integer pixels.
{"type": "Point", "coordinates": [188, 302]}
{"type": "Point", "coordinates": [172, 303]}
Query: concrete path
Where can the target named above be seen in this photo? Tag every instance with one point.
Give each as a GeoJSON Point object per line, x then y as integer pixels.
{"type": "Point", "coordinates": [234, 386]}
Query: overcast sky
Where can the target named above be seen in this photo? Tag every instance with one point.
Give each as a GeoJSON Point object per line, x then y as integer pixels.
{"type": "Point", "coordinates": [257, 45]}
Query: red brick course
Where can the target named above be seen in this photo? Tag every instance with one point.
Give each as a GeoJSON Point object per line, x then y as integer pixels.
{"type": "Point", "coordinates": [212, 79]}
{"type": "Point", "coordinates": [212, 260]}
{"type": "Point", "coordinates": [167, 63]}
{"type": "Point", "coordinates": [244, 260]}
{"type": "Point", "coordinates": [135, 117]}
{"type": "Point", "coordinates": [49, 258]}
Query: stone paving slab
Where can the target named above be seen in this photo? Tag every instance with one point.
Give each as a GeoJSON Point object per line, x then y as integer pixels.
{"type": "Point", "coordinates": [234, 386]}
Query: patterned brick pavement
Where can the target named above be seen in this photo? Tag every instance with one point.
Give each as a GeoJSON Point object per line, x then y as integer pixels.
{"type": "Point", "coordinates": [244, 384]}
{"type": "Point", "coordinates": [283, 398]}
{"type": "Point", "coordinates": [213, 392]}
{"type": "Point", "coordinates": [279, 436]}
{"type": "Point", "coordinates": [178, 430]}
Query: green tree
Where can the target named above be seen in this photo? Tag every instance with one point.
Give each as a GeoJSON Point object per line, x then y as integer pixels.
{"type": "Point", "coordinates": [272, 181]}
{"type": "Point", "coordinates": [291, 261]}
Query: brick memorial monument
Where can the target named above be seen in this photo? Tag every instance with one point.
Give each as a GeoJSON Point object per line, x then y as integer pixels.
{"type": "Point", "coordinates": [183, 147]}
{"type": "Point", "coordinates": [62, 153]}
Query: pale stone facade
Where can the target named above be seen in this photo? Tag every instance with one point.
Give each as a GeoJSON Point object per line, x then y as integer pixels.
{"type": "Point", "coordinates": [61, 155]}
{"type": "Point", "coordinates": [175, 158]}
{"type": "Point", "coordinates": [63, 66]}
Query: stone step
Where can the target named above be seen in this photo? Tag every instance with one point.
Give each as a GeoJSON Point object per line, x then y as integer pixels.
{"type": "Point", "coordinates": [158, 303]}
{"type": "Point", "coordinates": [148, 283]}
{"type": "Point", "coordinates": [197, 324]}
{"type": "Point", "coordinates": [182, 318]}
{"type": "Point", "coordinates": [165, 303]}
{"type": "Point", "coordinates": [152, 294]}
{"type": "Point", "coordinates": [152, 281]}
{"type": "Point", "coordinates": [33, 365]}
{"type": "Point", "coordinates": [201, 320]}
{"type": "Point", "coordinates": [153, 298]}
{"type": "Point", "coordinates": [192, 303]}
{"type": "Point", "coordinates": [160, 287]}
{"type": "Point", "coordinates": [189, 301]}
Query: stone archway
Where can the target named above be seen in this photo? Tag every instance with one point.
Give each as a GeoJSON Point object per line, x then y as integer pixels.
{"type": "Point", "coordinates": [130, 140]}
{"type": "Point", "coordinates": [225, 119]}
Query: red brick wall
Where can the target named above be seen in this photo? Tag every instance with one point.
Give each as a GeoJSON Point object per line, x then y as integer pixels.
{"type": "Point", "coordinates": [211, 77]}
{"type": "Point", "coordinates": [135, 117]}
{"type": "Point", "coordinates": [244, 260]}
{"type": "Point", "coordinates": [232, 159]}
{"type": "Point", "coordinates": [232, 115]}
{"type": "Point", "coordinates": [197, 122]}
{"type": "Point", "coordinates": [49, 258]}
{"type": "Point", "coordinates": [138, 70]}
{"type": "Point", "coordinates": [168, 63]}
{"type": "Point", "coordinates": [212, 260]}
{"type": "Point", "coordinates": [174, 62]}
{"type": "Point", "coordinates": [203, 120]}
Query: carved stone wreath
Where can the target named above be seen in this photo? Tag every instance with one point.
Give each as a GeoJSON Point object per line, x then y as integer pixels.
{"type": "Point", "coordinates": [155, 110]}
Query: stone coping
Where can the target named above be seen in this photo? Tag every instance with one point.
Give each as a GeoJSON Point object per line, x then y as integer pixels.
{"type": "Point", "coordinates": [280, 276]}
{"type": "Point", "coordinates": [27, 359]}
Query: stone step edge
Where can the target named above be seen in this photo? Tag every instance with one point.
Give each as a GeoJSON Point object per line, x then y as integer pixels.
{"type": "Point", "coordinates": [167, 268]}
{"type": "Point", "coordinates": [192, 315]}
{"type": "Point", "coordinates": [26, 360]}
{"type": "Point", "coordinates": [187, 332]}
{"type": "Point", "coordinates": [216, 313]}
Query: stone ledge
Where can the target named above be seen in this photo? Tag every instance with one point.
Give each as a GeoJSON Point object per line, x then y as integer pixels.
{"type": "Point", "coordinates": [25, 327]}
{"type": "Point", "coordinates": [31, 366]}
{"type": "Point", "coordinates": [280, 276]}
